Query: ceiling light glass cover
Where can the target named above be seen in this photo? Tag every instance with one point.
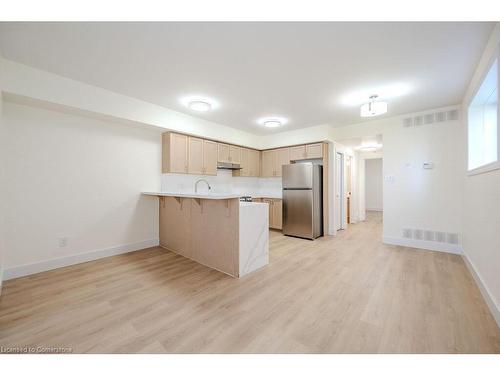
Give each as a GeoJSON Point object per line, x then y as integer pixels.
{"type": "Point", "coordinates": [200, 106]}
{"type": "Point", "coordinates": [272, 123]}
{"type": "Point", "coordinates": [373, 108]}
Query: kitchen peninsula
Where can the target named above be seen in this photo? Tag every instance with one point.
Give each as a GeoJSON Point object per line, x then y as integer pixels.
{"type": "Point", "coordinates": [216, 230]}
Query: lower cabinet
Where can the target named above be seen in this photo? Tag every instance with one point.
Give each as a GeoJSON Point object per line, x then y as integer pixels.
{"type": "Point", "coordinates": [275, 212]}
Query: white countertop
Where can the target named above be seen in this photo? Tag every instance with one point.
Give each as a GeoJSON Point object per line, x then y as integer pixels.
{"type": "Point", "coordinates": [193, 195]}
{"type": "Point", "coordinates": [212, 195]}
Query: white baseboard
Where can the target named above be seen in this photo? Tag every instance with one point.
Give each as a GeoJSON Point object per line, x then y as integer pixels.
{"type": "Point", "coordinates": [47, 265]}
{"type": "Point", "coordinates": [426, 245]}
{"type": "Point", "coordinates": [488, 297]}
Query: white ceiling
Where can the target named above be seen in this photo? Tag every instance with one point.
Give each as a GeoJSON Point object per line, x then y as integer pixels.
{"type": "Point", "coordinates": [301, 71]}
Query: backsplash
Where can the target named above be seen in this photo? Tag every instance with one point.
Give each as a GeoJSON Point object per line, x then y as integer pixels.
{"type": "Point", "coordinates": [224, 182]}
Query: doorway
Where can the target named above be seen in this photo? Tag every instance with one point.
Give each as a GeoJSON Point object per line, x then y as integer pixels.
{"type": "Point", "coordinates": [339, 191]}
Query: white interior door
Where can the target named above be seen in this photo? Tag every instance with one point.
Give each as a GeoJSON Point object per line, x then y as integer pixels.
{"type": "Point", "coordinates": [339, 190]}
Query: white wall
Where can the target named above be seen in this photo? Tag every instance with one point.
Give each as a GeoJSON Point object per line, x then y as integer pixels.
{"type": "Point", "coordinates": [76, 177]}
{"type": "Point", "coordinates": [2, 187]}
{"type": "Point", "coordinates": [481, 197]}
{"type": "Point", "coordinates": [373, 184]}
{"type": "Point", "coordinates": [416, 198]}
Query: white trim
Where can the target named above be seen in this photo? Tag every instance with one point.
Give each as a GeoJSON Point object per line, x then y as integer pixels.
{"type": "Point", "coordinates": [484, 168]}
{"type": "Point", "coordinates": [425, 245]}
{"type": "Point", "coordinates": [488, 297]}
{"type": "Point", "coordinates": [46, 265]}
{"type": "Point", "coordinates": [374, 209]}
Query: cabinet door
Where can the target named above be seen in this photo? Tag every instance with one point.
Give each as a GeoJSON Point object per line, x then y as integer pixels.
{"type": "Point", "coordinates": [254, 158]}
{"type": "Point", "coordinates": [297, 152]}
{"type": "Point", "coordinates": [267, 167]}
{"type": "Point", "coordinates": [209, 157]}
{"type": "Point", "coordinates": [282, 158]}
{"type": "Point", "coordinates": [223, 153]}
{"type": "Point", "coordinates": [195, 160]}
{"type": "Point", "coordinates": [314, 151]}
{"type": "Point", "coordinates": [245, 163]}
{"type": "Point", "coordinates": [270, 206]}
{"type": "Point", "coordinates": [235, 154]}
{"type": "Point", "coordinates": [277, 213]}
{"type": "Point", "coordinates": [177, 150]}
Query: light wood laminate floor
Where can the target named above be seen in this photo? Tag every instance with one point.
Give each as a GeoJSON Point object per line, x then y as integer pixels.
{"type": "Point", "coordinates": [348, 294]}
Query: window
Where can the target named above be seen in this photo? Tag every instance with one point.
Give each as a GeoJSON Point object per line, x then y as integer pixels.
{"type": "Point", "coordinates": [483, 125]}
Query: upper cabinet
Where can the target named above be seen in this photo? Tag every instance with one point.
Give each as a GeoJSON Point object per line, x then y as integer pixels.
{"type": "Point", "coordinates": [272, 160]}
{"type": "Point", "coordinates": [175, 153]}
{"type": "Point", "coordinates": [223, 153]}
{"type": "Point", "coordinates": [312, 151]}
{"type": "Point", "coordinates": [184, 154]}
{"type": "Point", "coordinates": [228, 153]}
{"type": "Point", "coordinates": [250, 163]}
{"type": "Point", "coordinates": [195, 152]}
{"type": "Point", "coordinates": [209, 157]}
{"type": "Point", "coordinates": [235, 154]}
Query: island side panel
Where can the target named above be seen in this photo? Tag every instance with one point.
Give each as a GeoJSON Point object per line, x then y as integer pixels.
{"type": "Point", "coordinates": [215, 239]}
{"type": "Point", "coordinates": [175, 215]}
{"type": "Point", "coordinates": [204, 230]}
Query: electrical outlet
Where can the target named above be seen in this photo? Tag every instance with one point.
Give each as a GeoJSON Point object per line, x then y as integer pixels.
{"type": "Point", "coordinates": [63, 241]}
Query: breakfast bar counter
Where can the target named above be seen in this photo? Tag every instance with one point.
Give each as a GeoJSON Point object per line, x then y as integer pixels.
{"type": "Point", "coordinates": [216, 230]}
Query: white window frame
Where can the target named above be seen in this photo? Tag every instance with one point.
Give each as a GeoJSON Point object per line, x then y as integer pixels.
{"type": "Point", "coordinates": [495, 164]}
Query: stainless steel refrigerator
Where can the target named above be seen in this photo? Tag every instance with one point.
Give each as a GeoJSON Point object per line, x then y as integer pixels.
{"type": "Point", "coordinates": [303, 200]}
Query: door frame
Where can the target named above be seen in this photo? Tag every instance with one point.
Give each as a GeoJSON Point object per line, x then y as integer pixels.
{"type": "Point", "coordinates": [340, 214]}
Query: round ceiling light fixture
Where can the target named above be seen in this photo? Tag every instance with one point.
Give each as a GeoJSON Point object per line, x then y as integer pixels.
{"type": "Point", "coordinates": [199, 105]}
{"type": "Point", "coordinates": [373, 108]}
{"type": "Point", "coordinates": [272, 122]}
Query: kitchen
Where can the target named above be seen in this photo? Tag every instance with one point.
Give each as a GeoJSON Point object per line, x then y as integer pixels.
{"type": "Point", "coordinates": [225, 227]}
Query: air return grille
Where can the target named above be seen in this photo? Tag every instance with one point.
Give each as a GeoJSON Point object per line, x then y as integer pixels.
{"type": "Point", "coordinates": [431, 118]}
{"type": "Point", "coordinates": [431, 236]}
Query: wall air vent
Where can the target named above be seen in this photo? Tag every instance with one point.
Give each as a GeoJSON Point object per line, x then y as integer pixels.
{"type": "Point", "coordinates": [430, 235]}
{"type": "Point", "coordinates": [431, 118]}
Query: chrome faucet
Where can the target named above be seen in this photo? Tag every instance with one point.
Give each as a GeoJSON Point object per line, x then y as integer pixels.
{"type": "Point", "coordinates": [200, 180]}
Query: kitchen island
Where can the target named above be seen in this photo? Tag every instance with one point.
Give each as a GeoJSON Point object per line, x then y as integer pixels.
{"type": "Point", "coordinates": [216, 230]}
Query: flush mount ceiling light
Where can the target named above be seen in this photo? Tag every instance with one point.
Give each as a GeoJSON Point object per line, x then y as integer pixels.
{"type": "Point", "coordinates": [373, 108]}
{"type": "Point", "coordinates": [272, 122]}
{"type": "Point", "coordinates": [199, 105]}
{"type": "Point", "coordinates": [370, 147]}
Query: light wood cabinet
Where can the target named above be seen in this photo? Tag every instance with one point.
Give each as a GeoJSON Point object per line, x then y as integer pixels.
{"type": "Point", "coordinates": [235, 154]}
{"type": "Point", "coordinates": [195, 159]}
{"type": "Point", "coordinates": [275, 212]}
{"type": "Point", "coordinates": [223, 153]}
{"type": "Point", "coordinates": [184, 154]}
{"type": "Point", "coordinates": [254, 157]}
{"type": "Point", "coordinates": [250, 163]}
{"type": "Point", "coordinates": [209, 158]}
{"type": "Point", "coordinates": [312, 151]}
{"type": "Point", "coordinates": [282, 158]}
{"type": "Point", "coordinates": [174, 153]}
{"type": "Point", "coordinates": [272, 160]}
{"type": "Point", "coordinates": [267, 166]}
{"type": "Point", "coordinates": [298, 152]}
{"type": "Point", "coordinates": [202, 156]}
